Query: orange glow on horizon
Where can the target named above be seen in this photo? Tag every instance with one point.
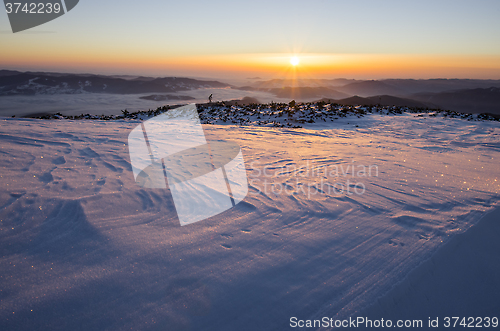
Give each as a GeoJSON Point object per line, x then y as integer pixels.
{"type": "Point", "coordinates": [365, 66]}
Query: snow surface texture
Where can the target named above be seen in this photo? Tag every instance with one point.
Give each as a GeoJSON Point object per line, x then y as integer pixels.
{"type": "Point", "coordinates": [83, 247]}
{"type": "Point", "coordinates": [465, 268]}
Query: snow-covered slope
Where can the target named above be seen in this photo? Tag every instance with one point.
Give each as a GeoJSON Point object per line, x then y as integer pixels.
{"type": "Point", "coordinates": [83, 247]}
{"type": "Point", "coordinates": [460, 280]}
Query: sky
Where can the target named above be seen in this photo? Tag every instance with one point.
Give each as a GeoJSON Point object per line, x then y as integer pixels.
{"type": "Point", "coordinates": [363, 39]}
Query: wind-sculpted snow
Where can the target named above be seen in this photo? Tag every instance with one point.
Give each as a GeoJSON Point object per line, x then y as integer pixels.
{"type": "Point", "coordinates": [460, 273]}
{"type": "Point", "coordinates": [336, 214]}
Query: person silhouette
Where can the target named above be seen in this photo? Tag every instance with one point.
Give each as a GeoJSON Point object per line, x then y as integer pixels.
{"type": "Point", "coordinates": [210, 98]}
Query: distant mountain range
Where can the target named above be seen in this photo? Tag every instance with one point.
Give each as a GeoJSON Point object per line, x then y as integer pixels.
{"type": "Point", "coordinates": [471, 101]}
{"type": "Point", "coordinates": [301, 93]}
{"type": "Point", "coordinates": [279, 83]}
{"type": "Point", "coordinates": [479, 100]}
{"type": "Point", "coordinates": [371, 88]}
{"type": "Point", "coordinates": [462, 95]}
{"type": "Point", "coordinates": [166, 97]}
{"type": "Point", "coordinates": [382, 100]}
{"type": "Point", "coordinates": [36, 83]}
{"type": "Point", "coordinates": [408, 87]}
{"type": "Point", "coordinates": [367, 88]}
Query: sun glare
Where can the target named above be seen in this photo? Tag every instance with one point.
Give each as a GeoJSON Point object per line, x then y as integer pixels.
{"type": "Point", "coordinates": [294, 61]}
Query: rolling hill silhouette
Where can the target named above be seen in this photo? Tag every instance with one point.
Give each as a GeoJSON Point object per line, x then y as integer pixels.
{"type": "Point", "coordinates": [479, 100]}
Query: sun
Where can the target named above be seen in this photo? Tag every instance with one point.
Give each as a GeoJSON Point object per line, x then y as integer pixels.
{"type": "Point", "coordinates": [294, 60]}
